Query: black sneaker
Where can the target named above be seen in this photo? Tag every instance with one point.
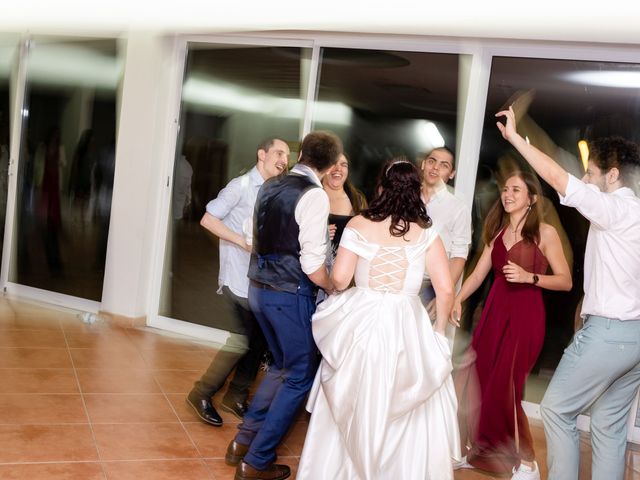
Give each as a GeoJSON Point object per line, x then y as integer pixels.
{"type": "Point", "coordinates": [237, 408]}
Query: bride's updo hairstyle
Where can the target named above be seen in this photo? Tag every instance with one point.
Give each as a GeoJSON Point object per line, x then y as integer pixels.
{"type": "Point", "coordinates": [398, 197]}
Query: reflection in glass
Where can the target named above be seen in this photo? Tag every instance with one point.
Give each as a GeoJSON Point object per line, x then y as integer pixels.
{"type": "Point", "coordinates": [7, 58]}
{"type": "Point", "coordinates": [387, 103]}
{"type": "Point", "coordinates": [557, 106]}
{"type": "Point", "coordinates": [233, 97]}
{"type": "Point", "coordinates": [65, 177]}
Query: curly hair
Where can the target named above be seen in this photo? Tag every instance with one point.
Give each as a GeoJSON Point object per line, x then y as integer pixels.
{"type": "Point", "coordinates": [616, 152]}
{"type": "Point", "coordinates": [320, 150]}
{"type": "Point", "coordinates": [398, 197]}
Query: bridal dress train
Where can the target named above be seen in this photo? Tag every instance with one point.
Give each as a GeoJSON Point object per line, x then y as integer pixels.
{"type": "Point", "coordinates": [383, 403]}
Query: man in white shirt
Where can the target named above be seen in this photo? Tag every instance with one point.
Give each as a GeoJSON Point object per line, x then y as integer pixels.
{"type": "Point", "coordinates": [600, 369]}
{"type": "Point", "coordinates": [450, 216]}
{"type": "Point", "coordinates": [287, 265]}
{"type": "Point", "coordinates": [224, 218]}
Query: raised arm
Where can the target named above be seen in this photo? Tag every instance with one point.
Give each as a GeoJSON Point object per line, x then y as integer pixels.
{"type": "Point", "coordinates": [545, 166]}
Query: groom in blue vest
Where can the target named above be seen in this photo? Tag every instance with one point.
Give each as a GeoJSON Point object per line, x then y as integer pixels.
{"type": "Point", "coordinates": [287, 267]}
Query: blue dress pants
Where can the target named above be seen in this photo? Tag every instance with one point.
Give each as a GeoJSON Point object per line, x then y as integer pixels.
{"type": "Point", "coordinates": [285, 319]}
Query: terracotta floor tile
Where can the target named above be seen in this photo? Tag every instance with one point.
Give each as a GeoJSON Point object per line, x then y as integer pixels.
{"type": "Point", "coordinates": [106, 358]}
{"type": "Point", "coordinates": [158, 470]}
{"type": "Point", "coordinates": [143, 441]}
{"type": "Point", "coordinates": [114, 380]}
{"type": "Point", "coordinates": [107, 339]}
{"type": "Point", "coordinates": [46, 443]}
{"type": "Point", "coordinates": [294, 439]}
{"type": "Point", "coordinates": [34, 358]}
{"type": "Point", "coordinates": [147, 339]}
{"type": "Point", "coordinates": [32, 338]}
{"type": "Point", "coordinates": [177, 381]}
{"type": "Point", "coordinates": [211, 441]}
{"type": "Point", "coordinates": [52, 471]}
{"type": "Point", "coordinates": [129, 408]}
{"type": "Point", "coordinates": [22, 322]}
{"type": "Point", "coordinates": [220, 470]}
{"type": "Point", "coordinates": [38, 380]}
{"type": "Point", "coordinates": [41, 409]}
{"type": "Point", "coordinates": [176, 359]}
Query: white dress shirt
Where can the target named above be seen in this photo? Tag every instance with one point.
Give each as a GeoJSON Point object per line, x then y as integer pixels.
{"type": "Point", "coordinates": [612, 255]}
{"type": "Point", "coordinates": [452, 218]}
{"type": "Point", "coordinates": [234, 205]}
{"type": "Point", "coordinates": [312, 214]}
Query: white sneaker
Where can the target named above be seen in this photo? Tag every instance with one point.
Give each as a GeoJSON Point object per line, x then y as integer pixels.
{"type": "Point", "coordinates": [524, 472]}
{"type": "Point", "coordinates": [462, 463]}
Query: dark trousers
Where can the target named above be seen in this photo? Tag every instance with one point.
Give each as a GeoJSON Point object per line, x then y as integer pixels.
{"type": "Point", "coordinates": [285, 319]}
{"type": "Point", "coordinates": [243, 351]}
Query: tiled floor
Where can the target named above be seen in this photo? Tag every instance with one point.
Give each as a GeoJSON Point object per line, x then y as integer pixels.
{"type": "Point", "coordinates": [91, 402]}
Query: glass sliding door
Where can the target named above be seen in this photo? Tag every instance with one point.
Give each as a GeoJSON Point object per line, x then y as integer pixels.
{"type": "Point", "coordinates": [65, 176]}
{"type": "Point", "coordinates": [8, 50]}
{"type": "Point", "coordinates": [560, 105]}
{"type": "Point", "coordinates": [387, 103]}
{"type": "Point", "coordinates": [233, 97]}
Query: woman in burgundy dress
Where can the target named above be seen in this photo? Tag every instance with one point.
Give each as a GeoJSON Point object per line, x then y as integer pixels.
{"type": "Point", "coordinates": [509, 336]}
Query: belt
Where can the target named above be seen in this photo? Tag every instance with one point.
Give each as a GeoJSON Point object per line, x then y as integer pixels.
{"type": "Point", "coordinates": [265, 286]}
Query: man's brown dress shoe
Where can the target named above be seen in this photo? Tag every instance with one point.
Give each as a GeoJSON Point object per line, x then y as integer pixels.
{"type": "Point", "coordinates": [235, 453]}
{"type": "Point", "coordinates": [244, 471]}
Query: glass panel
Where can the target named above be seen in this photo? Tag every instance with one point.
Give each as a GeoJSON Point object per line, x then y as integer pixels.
{"type": "Point", "coordinates": [559, 103]}
{"type": "Point", "coordinates": [387, 103]}
{"type": "Point", "coordinates": [232, 98]}
{"type": "Point", "coordinates": [66, 169]}
{"type": "Point", "coordinates": [7, 60]}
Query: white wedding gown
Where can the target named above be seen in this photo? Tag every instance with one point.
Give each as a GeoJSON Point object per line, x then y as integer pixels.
{"type": "Point", "coordinates": [383, 403]}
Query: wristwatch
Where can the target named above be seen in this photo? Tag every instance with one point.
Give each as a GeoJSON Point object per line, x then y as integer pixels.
{"type": "Point", "coordinates": [535, 279]}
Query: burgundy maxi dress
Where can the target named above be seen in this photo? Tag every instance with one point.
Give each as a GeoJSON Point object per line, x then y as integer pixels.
{"type": "Point", "coordinates": [505, 346]}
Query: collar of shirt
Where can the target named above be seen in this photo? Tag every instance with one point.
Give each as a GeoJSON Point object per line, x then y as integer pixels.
{"type": "Point", "coordinates": [624, 192]}
{"type": "Point", "coordinates": [256, 177]}
{"type": "Point", "coordinates": [439, 192]}
{"type": "Point", "coordinates": [302, 169]}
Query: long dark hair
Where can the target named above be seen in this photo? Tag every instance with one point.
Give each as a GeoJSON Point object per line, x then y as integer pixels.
{"type": "Point", "coordinates": [398, 197]}
{"type": "Point", "coordinates": [497, 218]}
{"type": "Point", "coordinates": [356, 197]}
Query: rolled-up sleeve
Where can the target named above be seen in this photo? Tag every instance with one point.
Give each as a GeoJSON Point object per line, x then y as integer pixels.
{"type": "Point", "coordinates": [228, 198]}
{"type": "Point", "coordinates": [312, 212]}
{"type": "Point", "coordinates": [597, 207]}
{"type": "Point", "coordinates": [461, 234]}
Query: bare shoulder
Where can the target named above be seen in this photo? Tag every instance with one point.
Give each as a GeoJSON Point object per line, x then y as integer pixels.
{"type": "Point", "coordinates": [358, 222]}
{"type": "Point", "coordinates": [547, 231]}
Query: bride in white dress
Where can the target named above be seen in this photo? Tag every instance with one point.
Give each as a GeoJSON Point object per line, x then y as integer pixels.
{"type": "Point", "coordinates": [383, 403]}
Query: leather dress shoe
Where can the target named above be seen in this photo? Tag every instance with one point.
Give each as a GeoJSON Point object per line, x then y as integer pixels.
{"type": "Point", "coordinates": [275, 471]}
{"type": "Point", "coordinates": [204, 409]}
{"type": "Point", "coordinates": [237, 408]}
{"type": "Point", "coordinates": [235, 453]}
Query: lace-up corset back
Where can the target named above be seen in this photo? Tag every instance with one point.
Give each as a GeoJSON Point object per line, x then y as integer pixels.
{"type": "Point", "coordinates": [393, 269]}
{"type": "Point", "coordinates": [387, 270]}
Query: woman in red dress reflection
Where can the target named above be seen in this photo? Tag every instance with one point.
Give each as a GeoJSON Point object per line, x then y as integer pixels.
{"type": "Point", "coordinates": [509, 336]}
